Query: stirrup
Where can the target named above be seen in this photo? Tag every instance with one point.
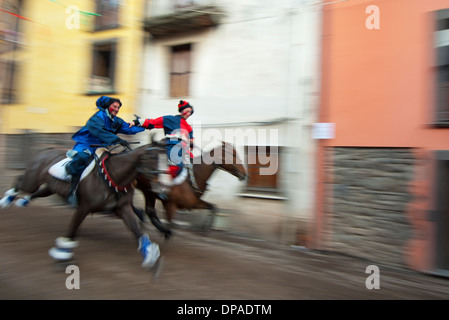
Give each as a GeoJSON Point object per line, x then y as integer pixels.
{"type": "Point", "coordinates": [162, 196]}
{"type": "Point", "coordinates": [72, 199]}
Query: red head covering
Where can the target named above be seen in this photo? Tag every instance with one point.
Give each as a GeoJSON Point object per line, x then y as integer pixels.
{"type": "Point", "coordinates": [184, 105]}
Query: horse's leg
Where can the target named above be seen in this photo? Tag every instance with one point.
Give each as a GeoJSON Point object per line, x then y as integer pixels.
{"type": "Point", "coordinates": [149, 250]}
{"type": "Point", "coordinates": [129, 220]}
{"type": "Point", "coordinates": [65, 245]}
{"type": "Point", "coordinates": [170, 209]}
{"type": "Point", "coordinates": [206, 205]}
{"type": "Point", "coordinates": [150, 207]}
{"type": "Point", "coordinates": [78, 217]}
{"type": "Point", "coordinates": [139, 213]}
{"type": "Point", "coordinates": [40, 193]}
{"type": "Point", "coordinates": [28, 183]}
{"type": "Point", "coordinates": [213, 211]}
{"type": "Point", "coordinates": [10, 195]}
{"type": "Point", "coordinates": [150, 210]}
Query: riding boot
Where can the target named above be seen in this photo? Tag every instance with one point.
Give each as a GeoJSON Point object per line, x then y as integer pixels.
{"type": "Point", "coordinates": [71, 197]}
{"type": "Point", "coordinates": [161, 190]}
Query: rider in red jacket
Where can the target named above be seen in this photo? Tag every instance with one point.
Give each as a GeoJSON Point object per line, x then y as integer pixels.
{"type": "Point", "coordinates": [179, 136]}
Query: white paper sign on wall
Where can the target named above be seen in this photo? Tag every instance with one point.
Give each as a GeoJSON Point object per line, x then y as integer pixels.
{"type": "Point", "coordinates": [323, 131]}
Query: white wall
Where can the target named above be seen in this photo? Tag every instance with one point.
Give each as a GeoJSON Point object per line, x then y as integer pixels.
{"type": "Point", "coordinates": [259, 65]}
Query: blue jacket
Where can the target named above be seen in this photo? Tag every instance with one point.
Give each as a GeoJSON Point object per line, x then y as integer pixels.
{"type": "Point", "coordinates": [101, 129]}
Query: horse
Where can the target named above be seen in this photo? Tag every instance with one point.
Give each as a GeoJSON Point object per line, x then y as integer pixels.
{"type": "Point", "coordinates": [108, 187]}
{"type": "Point", "coordinates": [187, 195]}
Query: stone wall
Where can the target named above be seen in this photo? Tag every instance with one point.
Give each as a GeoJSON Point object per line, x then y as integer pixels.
{"type": "Point", "coordinates": [368, 190]}
{"type": "Point", "coordinates": [19, 148]}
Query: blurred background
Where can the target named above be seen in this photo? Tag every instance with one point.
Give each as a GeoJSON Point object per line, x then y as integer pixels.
{"type": "Point", "coordinates": [348, 100]}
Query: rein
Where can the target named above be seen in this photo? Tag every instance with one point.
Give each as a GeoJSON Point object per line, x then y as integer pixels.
{"type": "Point", "coordinates": [192, 179]}
{"type": "Point", "coordinates": [114, 186]}
{"type": "Point", "coordinates": [195, 187]}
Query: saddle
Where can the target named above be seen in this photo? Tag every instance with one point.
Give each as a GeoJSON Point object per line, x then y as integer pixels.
{"type": "Point", "coordinates": [58, 169]}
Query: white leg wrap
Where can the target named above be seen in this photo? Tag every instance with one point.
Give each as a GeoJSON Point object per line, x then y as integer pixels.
{"type": "Point", "coordinates": [66, 243]}
{"type": "Point", "coordinates": [11, 192]}
{"type": "Point", "coordinates": [8, 198]}
{"type": "Point", "coordinates": [23, 202]}
{"type": "Point", "coordinates": [60, 254]}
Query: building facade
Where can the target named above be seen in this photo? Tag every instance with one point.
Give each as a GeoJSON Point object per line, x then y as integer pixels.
{"type": "Point", "coordinates": [382, 186]}
{"type": "Point", "coordinates": [57, 58]}
{"type": "Point", "coordinates": [251, 70]}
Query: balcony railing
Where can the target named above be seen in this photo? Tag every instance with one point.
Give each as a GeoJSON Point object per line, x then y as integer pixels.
{"type": "Point", "coordinates": [165, 18]}
{"type": "Point", "coordinates": [158, 8]}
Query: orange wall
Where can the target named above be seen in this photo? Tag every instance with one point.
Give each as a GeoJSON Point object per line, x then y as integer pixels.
{"type": "Point", "coordinates": [378, 84]}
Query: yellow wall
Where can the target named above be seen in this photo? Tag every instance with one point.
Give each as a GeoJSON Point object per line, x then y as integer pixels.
{"type": "Point", "coordinates": [56, 63]}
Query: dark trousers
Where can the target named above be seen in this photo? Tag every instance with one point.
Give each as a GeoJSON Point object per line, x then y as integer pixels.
{"type": "Point", "coordinates": [79, 162]}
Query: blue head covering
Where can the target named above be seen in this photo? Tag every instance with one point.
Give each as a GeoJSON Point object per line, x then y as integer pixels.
{"type": "Point", "coordinates": [104, 102]}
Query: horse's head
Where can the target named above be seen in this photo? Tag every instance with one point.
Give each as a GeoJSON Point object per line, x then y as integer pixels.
{"type": "Point", "coordinates": [225, 157]}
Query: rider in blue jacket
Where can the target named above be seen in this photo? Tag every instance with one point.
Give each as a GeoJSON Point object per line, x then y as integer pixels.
{"type": "Point", "coordinates": [101, 129]}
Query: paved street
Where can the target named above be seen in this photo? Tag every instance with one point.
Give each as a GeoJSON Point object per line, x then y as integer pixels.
{"type": "Point", "coordinates": [216, 266]}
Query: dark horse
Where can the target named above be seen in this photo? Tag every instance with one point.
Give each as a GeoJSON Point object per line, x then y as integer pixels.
{"type": "Point", "coordinates": [187, 195]}
{"type": "Point", "coordinates": [107, 188]}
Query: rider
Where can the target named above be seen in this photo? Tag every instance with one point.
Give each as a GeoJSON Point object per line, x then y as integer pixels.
{"type": "Point", "coordinates": [101, 129]}
{"type": "Point", "coordinates": [179, 135]}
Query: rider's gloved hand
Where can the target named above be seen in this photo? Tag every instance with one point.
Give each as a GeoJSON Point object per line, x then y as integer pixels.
{"type": "Point", "coordinates": [123, 143]}
{"type": "Point", "coordinates": [137, 120]}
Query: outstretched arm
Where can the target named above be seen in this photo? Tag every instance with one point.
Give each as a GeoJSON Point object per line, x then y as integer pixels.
{"type": "Point", "coordinates": [153, 123]}
{"type": "Point", "coordinates": [126, 128]}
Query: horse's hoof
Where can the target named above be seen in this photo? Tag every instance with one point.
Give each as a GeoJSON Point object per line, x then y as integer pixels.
{"type": "Point", "coordinates": [167, 234]}
{"type": "Point", "coordinates": [5, 202]}
{"type": "Point", "coordinates": [60, 254]}
{"type": "Point", "coordinates": [151, 255]}
{"type": "Point", "coordinates": [23, 202]}
{"type": "Point", "coordinates": [8, 198]}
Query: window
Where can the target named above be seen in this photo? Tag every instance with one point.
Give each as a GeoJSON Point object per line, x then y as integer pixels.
{"type": "Point", "coordinates": [263, 169]}
{"type": "Point", "coordinates": [442, 67]}
{"type": "Point", "coordinates": [103, 67]}
{"type": "Point", "coordinates": [109, 11]}
{"type": "Point", "coordinates": [180, 70]}
{"type": "Point", "coordinates": [10, 36]}
{"type": "Point", "coordinates": [8, 72]}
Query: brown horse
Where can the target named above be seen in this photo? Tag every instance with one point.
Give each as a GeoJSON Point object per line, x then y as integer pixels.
{"type": "Point", "coordinates": [187, 195]}
{"type": "Point", "coordinates": [107, 188]}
